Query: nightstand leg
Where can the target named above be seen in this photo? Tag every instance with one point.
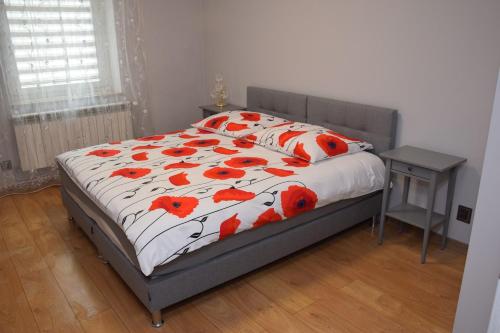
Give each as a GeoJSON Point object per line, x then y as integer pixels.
{"type": "Point", "coordinates": [385, 200]}
{"type": "Point", "coordinates": [428, 218]}
{"type": "Point", "coordinates": [404, 199]}
{"type": "Point", "coordinates": [449, 202]}
{"type": "Point", "coordinates": [406, 189]}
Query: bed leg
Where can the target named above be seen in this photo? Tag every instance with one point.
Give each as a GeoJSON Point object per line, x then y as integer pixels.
{"type": "Point", "coordinates": [374, 221]}
{"type": "Point", "coordinates": [157, 320]}
{"type": "Point", "coordinates": [401, 227]}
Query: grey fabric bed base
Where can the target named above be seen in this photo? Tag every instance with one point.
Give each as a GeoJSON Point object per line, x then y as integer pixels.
{"type": "Point", "coordinates": [162, 291]}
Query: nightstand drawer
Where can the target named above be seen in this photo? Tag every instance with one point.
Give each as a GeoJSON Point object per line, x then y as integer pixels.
{"type": "Point", "coordinates": [411, 170]}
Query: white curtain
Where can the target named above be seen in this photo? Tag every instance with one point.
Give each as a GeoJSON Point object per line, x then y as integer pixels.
{"type": "Point", "coordinates": [72, 74]}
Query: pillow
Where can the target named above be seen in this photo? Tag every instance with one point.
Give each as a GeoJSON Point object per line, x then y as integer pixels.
{"type": "Point", "coordinates": [238, 123]}
{"type": "Point", "coordinates": [309, 142]}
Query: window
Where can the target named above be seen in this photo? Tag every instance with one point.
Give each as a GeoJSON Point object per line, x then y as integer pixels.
{"type": "Point", "coordinates": [61, 49]}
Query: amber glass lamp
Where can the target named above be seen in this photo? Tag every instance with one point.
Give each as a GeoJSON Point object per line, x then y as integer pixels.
{"type": "Point", "coordinates": [219, 92]}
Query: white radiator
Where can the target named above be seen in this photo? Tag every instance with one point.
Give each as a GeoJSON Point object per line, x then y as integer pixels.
{"type": "Point", "coordinates": [40, 138]}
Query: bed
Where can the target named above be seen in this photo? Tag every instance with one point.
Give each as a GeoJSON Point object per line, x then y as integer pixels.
{"type": "Point", "coordinates": [160, 281]}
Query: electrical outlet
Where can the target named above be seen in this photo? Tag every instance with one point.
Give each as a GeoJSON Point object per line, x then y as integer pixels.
{"type": "Point", "coordinates": [6, 165]}
{"type": "Point", "coordinates": [464, 214]}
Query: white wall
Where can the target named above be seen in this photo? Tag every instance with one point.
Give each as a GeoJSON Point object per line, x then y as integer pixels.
{"type": "Point", "coordinates": [434, 61]}
{"type": "Point", "coordinates": [173, 44]}
{"type": "Point", "coordinates": [482, 268]}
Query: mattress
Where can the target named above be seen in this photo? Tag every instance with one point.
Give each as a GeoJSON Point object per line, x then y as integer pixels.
{"type": "Point", "coordinates": [169, 195]}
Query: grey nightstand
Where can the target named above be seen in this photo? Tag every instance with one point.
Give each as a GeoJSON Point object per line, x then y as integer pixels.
{"type": "Point", "coordinates": [212, 109]}
{"type": "Point", "coordinates": [428, 166]}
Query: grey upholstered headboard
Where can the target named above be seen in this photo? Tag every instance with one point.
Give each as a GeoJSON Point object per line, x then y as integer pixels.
{"type": "Point", "coordinates": [277, 103]}
{"type": "Point", "coordinates": [373, 124]}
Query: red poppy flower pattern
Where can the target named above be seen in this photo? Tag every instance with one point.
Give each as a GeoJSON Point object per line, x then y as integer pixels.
{"type": "Point", "coordinates": [104, 152]}
{"type": "Point", "coordinates": [202, 143]}
{"type": "Point", "coordinates": [140, 156]}
{"type": "Point", "coordinates": [225, 151]}
{"type": "Point", "coordinates": [284, 137]}
{"type": "Point", "coordinates": [331, 145]}
{"type": "Point", "coordinates": [178, 152]}
{"type": "Point", "coordinates": [178, 206]}
{"type": "Point", "coordinates": [175, 194]}
{"type": "Point", "coordinates": [295, 162]}
{"type": "Point", "coordinates": [152, 138]}
{"type": "Point", "coordinates": [181, 165]}
{"type": "Point", "coordinates": [300, 152]}
{"type": "Point", "coordinates": [133, 173]}
{"type": "Point", "coordinates": [279, 172]}
{"type": "Point", "coordinates": [244, 162]}
{"type": "Point", "coordinates": [224, 173]}
{"type": "Point", "coordinates": [297, 200]}
{"type": "Point", "coordinates": [229, 227]}
{"type": "Point", "coordinates": [235, 127]}
{"type": "Point", "coordinates": [311, 143]}
{"type": "Point", "coordinates": [146, 147]}
{"type": "Point", "coordinates": [251, 137]}
{"type": "Point", "coordinates": [238, 123]}
{"type": "Point", "coordinates": [250, 116]}
{"type": "Point", "coordinates": [269, 216]}
{"type": "Point", "coordinates": [179, 179]}
{"type": "Point", "coordinates": [233, 194]}
{"type": "Point", "coordinates": [242, 143]}
{"type": "Point", "coordinates": [216, 122]}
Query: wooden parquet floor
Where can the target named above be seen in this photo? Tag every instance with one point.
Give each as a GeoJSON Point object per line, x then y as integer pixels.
{"type": "Point", "coordinates": [51, 281]}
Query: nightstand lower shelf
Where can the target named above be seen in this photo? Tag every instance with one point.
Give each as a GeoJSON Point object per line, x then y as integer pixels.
{"type": "Point", "coordinates": [414, 215]}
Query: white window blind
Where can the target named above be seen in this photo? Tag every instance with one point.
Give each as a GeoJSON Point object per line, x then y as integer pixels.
{"type": "Point", "coordinates": [60, 50]}
{"type": "Point", "coordinates": [53, 41]}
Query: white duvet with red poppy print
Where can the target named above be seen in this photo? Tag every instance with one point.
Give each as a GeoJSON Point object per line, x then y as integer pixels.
{"type": "Point", "coordinates": [175, 193]}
